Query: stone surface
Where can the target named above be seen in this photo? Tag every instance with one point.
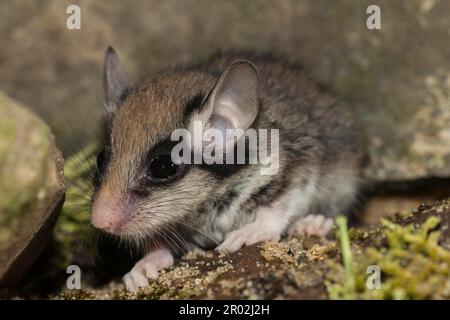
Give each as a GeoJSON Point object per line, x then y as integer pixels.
{"type": "Point", "coordinates": [397, 77]}
{"type": "Point", "coordinates": [31, 189]}
{"type": "Point", "coordinates": [414, 262]}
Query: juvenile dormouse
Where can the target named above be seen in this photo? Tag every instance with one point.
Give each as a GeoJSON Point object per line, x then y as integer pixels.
{"type": "Point", "coordinates": [144, 196]}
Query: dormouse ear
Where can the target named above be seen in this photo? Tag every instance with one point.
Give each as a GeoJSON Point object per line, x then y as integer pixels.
{"type": "Point", "coordinates": [115, 79]}
{"type": "Point", "coordinates": [234, 101]}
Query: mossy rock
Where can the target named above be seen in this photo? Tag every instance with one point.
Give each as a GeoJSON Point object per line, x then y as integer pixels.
{"type": "Point", "coordinates": [31, 188]}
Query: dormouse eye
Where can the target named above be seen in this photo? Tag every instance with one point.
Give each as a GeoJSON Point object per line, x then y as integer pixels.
{"type": "Point", "coordinates": [162, 169]}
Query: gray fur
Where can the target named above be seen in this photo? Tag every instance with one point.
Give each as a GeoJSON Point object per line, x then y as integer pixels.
{"type": "Point", "coordinates": [320, 153]}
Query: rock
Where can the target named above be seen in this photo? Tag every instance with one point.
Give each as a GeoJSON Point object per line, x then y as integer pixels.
{"type": "Point", "coordinates": [412, 250]}
{"type": "Point", "coordinates": [390, 201]}
{"type": "Point", "coordinates": [440, 209]}
{"type": "Point", "coordinates": [31, 189]}
{"type": "Point", "coordinates": [396, 77]}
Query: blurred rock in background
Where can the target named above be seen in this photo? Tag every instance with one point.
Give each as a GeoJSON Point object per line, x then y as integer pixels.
{"type": "Point", "coordinates": [31, 189]}
{"type": "Point", "coordinates": [397, 77]}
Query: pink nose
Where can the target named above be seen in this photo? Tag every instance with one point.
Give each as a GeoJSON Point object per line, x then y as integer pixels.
{"type": "Point", "coordinates": [107, 213]}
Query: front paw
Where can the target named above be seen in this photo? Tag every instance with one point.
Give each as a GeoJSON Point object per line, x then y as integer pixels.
{"type": "Point", "coordinates": [147, 268]}
{"type": "Point", "coordinates": [248, 235]}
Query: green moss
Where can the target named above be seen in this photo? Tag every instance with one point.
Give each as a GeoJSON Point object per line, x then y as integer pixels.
{"type": "Point", "coordinates": [413, 265]}
{"type": "Point", "coordinates": [75, 214]}
{"type": "Point", "coordinates": [344, 238]}
{"type": "Point", "coordinates": [73, 223]}
{"type": "Point", "coordinates": [7, 133]}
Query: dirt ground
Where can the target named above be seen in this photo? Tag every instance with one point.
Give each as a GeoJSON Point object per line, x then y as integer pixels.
{"type": "Point", "coordinates": [412, 249]}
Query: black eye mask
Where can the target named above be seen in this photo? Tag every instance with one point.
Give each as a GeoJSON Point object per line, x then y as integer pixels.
{"type": "Point", "coordinates": [158, 167]}
{"type": "Point", "coordinates": [161, 169]}
{"type": "Point", "coordinates": [101, 165]}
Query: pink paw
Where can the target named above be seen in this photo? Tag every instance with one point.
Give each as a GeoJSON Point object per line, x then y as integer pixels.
{"type": "Point", "coordinates": [147, 268]}
{"type": "Point", "coordinates": [248, 235]}
{"type": "Point", "coordinates": [312, 224]}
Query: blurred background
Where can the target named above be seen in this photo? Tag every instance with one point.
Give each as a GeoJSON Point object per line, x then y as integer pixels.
{"type": "Point", "coordinates": [397, 76]}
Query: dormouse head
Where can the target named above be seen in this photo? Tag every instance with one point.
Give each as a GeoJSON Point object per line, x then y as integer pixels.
{"type": "Point", "coordinates": [141, 191]}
